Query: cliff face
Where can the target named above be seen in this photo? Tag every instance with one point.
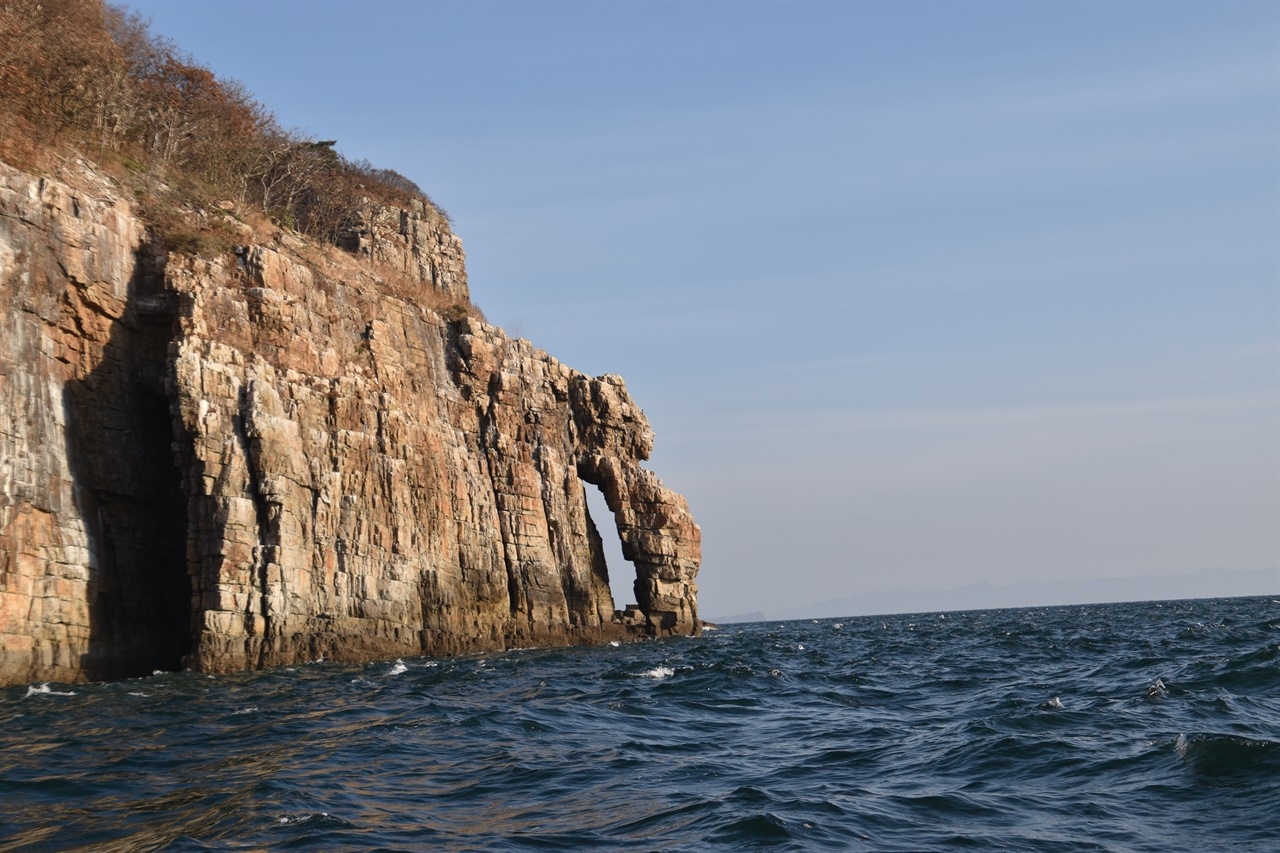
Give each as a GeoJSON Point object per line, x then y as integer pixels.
{"type": "Point", "coordinates": [287, 455]}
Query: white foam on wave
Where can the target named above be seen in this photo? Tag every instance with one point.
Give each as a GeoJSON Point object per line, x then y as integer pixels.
{"type": "Point", "coordinates": [303, 818]}
{"type": "Point", "coordinates": [659, 672]}
{"type": "Point", "coordinates": [1053, 704]}
{"type": "Point", "coordinates": [838, 625]}
{"type": "Point", "coordinates": [252, 709]}
{"type": "Point", "coordinates": [46, 690]}
{"type": "Point", "coordinates": [398, 668]}
{"type": "Point", "coordinates": [139, 694]}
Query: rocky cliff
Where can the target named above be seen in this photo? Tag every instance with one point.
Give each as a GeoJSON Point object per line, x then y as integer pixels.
{"type": "Point", "coordinates": [287, 453]}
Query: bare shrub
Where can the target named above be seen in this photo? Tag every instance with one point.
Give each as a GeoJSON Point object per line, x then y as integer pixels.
{"type": "Point", "coordinates": [84, 76]}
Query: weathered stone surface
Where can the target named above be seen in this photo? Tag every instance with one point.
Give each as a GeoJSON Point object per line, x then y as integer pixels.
{"type": "Point", "coordinates": [415, 241]}
{"type": "Point", "coordinates": [86, 508]}
{"type": "Point", "coordinates": [253, 461]}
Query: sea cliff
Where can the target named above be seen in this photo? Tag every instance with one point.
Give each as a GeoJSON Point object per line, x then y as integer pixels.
{"type": "Point", "coordinates": [290, 451]}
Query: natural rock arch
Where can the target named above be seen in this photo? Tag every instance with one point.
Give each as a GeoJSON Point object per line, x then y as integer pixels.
{"type": "Point", "coordinates": [658, 534]}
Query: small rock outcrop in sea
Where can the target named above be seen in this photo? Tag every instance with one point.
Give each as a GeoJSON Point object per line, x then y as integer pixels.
{"type": "Point", "coordinates": [276, 456]}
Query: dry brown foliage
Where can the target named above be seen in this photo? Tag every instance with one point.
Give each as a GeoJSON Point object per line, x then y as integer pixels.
{"type": "Point", "coordinates": [83, 78]}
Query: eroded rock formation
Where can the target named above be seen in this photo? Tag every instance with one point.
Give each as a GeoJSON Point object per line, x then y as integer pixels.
{"type": "Point", "coordinates": [285, 455]}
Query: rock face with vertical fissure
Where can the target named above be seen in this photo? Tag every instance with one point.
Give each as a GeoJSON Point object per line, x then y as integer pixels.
{"type": "Point", "coordinates": [284, 455]}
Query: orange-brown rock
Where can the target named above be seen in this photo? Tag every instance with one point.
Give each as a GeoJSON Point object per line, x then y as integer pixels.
{"type": "Point", "coordinates": [285, 455]}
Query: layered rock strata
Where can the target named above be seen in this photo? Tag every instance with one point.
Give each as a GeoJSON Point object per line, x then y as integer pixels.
{"type": "Point", "coordinates": [283, 455]}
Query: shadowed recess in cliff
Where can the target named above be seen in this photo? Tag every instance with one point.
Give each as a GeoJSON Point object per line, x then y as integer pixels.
{"type": "Point", "coordinates": [129, 490]}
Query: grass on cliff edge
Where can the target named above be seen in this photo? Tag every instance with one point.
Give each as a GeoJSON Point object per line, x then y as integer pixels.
{"type": "Point", "coordinates": [208, 165]}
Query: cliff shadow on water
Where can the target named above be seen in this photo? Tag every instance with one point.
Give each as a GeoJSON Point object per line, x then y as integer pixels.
{"type": "Point", "coordinates": [120, 444]}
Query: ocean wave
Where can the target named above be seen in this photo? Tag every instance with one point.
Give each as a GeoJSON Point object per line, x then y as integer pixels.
{"type": "Point", "coordinates": [315, 819]}
{"type": "Point", "coordinates": [1216, 754]}
{"type": "Point", "coordinates": [870, 739]}
{"type": "Point", "coordinates": [46, 690]}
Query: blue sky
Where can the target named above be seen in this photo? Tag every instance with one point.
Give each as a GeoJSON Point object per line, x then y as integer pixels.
{"type": "Point", "coordinates": [914, 294]}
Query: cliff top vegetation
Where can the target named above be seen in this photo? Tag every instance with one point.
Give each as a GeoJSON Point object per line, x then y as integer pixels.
{"type": "Point", "coordinates": [84, 78]}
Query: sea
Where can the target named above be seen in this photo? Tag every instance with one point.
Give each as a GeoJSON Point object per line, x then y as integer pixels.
{"type": "Point", "coordinates": [1128, 727]}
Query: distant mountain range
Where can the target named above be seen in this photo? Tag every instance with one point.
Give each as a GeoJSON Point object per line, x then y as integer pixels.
{"type": "Point", "coordinates": [1206, 583]}
{"type": "Point", "coordinates": [755, 616]}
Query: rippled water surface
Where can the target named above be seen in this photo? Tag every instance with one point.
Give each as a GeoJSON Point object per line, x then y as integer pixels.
{"type": "Point", "coordinates": [1151, 726]}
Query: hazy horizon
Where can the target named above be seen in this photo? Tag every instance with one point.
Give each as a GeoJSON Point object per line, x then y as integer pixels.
{"type": "Point", "coordinates": [923, 295]}
{"type": "Point", "coordinates": [1204, 584]}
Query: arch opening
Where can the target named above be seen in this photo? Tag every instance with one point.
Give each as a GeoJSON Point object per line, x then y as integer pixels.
{"type": "Point", "coordinates": [622, 572]}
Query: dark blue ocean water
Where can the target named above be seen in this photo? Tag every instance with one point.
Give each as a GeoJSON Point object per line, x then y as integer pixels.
{"type": "Point", "coordinates": [1152, 726]}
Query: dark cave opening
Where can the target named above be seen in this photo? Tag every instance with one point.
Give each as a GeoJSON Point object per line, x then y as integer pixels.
{"type": "Point", "coordinates": [162, 583]}
{"type": "Point", "coordinates": [129, 488]}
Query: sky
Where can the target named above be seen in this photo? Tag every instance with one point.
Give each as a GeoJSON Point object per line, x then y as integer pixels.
{"type": "Point", "coordinates": [918, 295]}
